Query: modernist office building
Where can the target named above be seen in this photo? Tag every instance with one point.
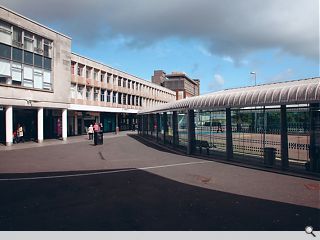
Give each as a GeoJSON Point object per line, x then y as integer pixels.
{"type": "Point", "coordinates": [277, 124]}
{"type": "Point", "coordinates": [179, 82]}
{"type": "Point", "coordinates": [52, 92]}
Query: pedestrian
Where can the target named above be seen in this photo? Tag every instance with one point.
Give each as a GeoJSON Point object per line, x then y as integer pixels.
{"type": "Point", "coordinates": [90, 132]}
{"type": "Point", "coordinates": [20, 133]}
{"type": "Point", "coordinates": [96, 127]}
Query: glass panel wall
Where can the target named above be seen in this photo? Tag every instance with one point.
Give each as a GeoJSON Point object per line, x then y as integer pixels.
{"type": "Point", "coordinates": [182, 130]}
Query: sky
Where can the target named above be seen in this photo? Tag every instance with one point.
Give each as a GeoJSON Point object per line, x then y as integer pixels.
{"type": "Point", "coordinates": [219, 42]}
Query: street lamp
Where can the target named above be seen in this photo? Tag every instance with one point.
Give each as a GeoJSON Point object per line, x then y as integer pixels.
{"type": "Point", "coordinates": [255, 77]}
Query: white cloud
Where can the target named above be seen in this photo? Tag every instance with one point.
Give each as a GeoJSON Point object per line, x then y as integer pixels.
{"type": "Point", "coordinates": [233, 28]}
{"type": "Point", "coordinates": [228, 59]}
{"type": "Point", "coordinates": [217, 83]}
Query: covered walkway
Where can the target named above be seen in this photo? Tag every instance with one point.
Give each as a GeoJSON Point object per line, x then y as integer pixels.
{"type": "Point", "coordinates": [276, 124]}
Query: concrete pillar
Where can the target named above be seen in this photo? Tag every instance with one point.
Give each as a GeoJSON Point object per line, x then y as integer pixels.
{"type": "Point", "coordinates": [284, 138]}
{"type": "Point", "coordinates": [175, 128]}
{"type": "Point", "coordinates": [76, 123]}
{"type": "Point", "coordinates": [314, 137]}
{"type": "Point", "coordinates": [229, 142]}
{"type": "Point", "coordinates": [191, 132]}
{"type": "Point", "coordinates": [165, 126]}
{"type": "Point", "coordinates": [9, 125]}
{"type": "Point", "coordinates": [158, 125]}
{"type": "Point", "coordinates": [40, 125]}
{"type": "Point", "coordinates": [64, 124]}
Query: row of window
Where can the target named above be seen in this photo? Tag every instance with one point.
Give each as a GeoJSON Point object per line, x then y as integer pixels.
{"type": "Point", "coordinates": [15, 73]}
{"type": "Point", "coordinates": [109, 78]}
{"type": "Point", "coordinates": [23, 56]}
{"type": "Point", "coordinates": [17, 37]}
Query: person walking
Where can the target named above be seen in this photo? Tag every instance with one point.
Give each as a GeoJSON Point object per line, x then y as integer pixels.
{"type": "Point", "coordinates": [90, 132]}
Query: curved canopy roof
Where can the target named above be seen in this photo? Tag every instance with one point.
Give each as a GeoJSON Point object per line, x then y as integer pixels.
{"type": "Point", "coordinates": [283, 93]}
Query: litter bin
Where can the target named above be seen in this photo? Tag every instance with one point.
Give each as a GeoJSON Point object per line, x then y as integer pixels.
{"type": "Point", "coordinates": [269, 156]}
{"type": "Point", "coordinates": [98, 138]}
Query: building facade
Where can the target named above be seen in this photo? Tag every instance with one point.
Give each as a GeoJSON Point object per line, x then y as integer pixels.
{"type": "Point", "coordinates": [51, 92]}
{"type": "Point", "coordinates": [179, 82]}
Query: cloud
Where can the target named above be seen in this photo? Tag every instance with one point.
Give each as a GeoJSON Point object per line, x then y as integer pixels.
{"type": "Point", "coordinates": [217, 83]}
{"type": "Point", "coordinates": [282, 76]}
{"type": "Point", "coordinates": [227, 28]}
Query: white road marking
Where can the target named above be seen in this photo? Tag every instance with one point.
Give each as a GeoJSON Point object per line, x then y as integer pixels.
{"type": "Point", "coordinates": [103, 172]}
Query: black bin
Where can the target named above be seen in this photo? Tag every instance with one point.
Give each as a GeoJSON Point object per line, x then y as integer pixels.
{"type": "Point", "coordinates": [98, 138]}
{"type": "Point", "coordinates": [269, 156]}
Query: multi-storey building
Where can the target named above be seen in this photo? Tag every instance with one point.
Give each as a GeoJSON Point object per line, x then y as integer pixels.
{"type": "Point", "coordinates": [179, 82]}
{"type": "Point", "coordinates": [52, 92]}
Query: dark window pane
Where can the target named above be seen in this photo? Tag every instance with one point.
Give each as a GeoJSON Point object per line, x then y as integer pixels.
{"type": "Point", "coordinates": [38, 60]}
{"type": "Point", "coordinates": [5, 51]}
{"type": "Point", "coordinates": [47, 63]}
{"type": "Point", "coordinates": [17, 54]}
{"type": "Point", "coordinates": [28, 57]}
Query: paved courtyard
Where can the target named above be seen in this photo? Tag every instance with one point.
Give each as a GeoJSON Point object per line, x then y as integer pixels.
{"type": "Point", "coordinates": [127, 184]}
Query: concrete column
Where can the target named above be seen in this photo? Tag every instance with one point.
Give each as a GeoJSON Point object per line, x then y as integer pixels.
{"type": "Point", "coordinates": [76, 123]}
{"type": "Point", "coordinates": [158, 125]}
{"type": "Point", "coordinates": [175, 128]}
{"type": "Point", "coordinates": [64, 124]}
{"type": "Point", "coordinates": [284, 138]}
{"type": "Point", "coordinates": [9, 125]}
{"type": "Point", "coordinates": [40, 125]}
{"type": "Point", "coordinates": [165, 126]}
{"type": "Point", "coordinates": [229, 142]}
{"type": "Point", "coordinates": [191, 132]}
{"type": "Point", "coordinates": [315, 137]}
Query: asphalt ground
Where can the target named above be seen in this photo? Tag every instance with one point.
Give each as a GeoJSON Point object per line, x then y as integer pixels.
{"type": "Point", "coordinates": [127, 184]}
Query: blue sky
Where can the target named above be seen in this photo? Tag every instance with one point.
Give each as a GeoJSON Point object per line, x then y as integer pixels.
{"type": "Point", "coordinates": [219, 42]}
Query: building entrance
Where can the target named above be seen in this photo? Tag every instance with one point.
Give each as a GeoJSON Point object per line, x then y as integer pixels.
{"type": "Point", "coordinates": [27, 118]}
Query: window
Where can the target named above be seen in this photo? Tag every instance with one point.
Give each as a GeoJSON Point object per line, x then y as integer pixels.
{"type": "Point", "coordinates": [119, 82]}
{"type": "Point", "coordinates": [17, 54]}
{"type": "Point", "coordinates": [80, 92]}
{"type": "Point", "coordinates": [129, 98]}
{"type": "Point", "coordinates": [124, 97]}
{"type": "Point", "coordinates": [17, 37]}
{"type": "Point", "coordinates": [114, 79]}
{"type": "Point", "coordinates": [95, 75]}
{"type": "Point", "coordinates": [5, 32]}
{"type": "Point", "coordinates": [108, 78]}
{"type": "Point", "coordinates": [28, 57]}
{"type": "Point", "coordinates": [137, 101]}
{"type": "Point", "coordinates": [133, 100]}
{"type": "Point", "coordinates": [108, 96]}
{"type": "Point", "coordinates": [102, 77]}
{"type": "Point", "coordinates": [37, 60]}
{"type": "Point", "coordinates": [47, 80]}
{"type": "Point", "coordinates": [16, 71]}
{"type": "Point", "coordinates": [73, 91]}
{"type": "Point", "coordinates": [88, 71]}
{"type": "Point", "coordinates": [47, 63]}
{"type": "Point", "coordinates": [28, 41]}
{"type": "Point", "coordinates": [119, 98]}
{"type": "Point", "coordinates": [124, 82]}
{"type": "Point", "coordinates": [5, 51]}
{"type": "Point", "coordinates": [4, 68]}
{"type": "Point", "coordinates": [72, 67]}
{"type": "Point", "coordinates": [96, 95]}
{"type": "Point", "coordinates": [38, 45]}
{"type": "Point", "coordinates": [102, 95]}
{"type": "Point", "coordinates": [88, 93]}
{"type": "Point", "coordinates": [133, 85]}
{"type": "Point", "coordinates": [79, 70]}
{"type": "Point", "coordinates": [37, 77]}
{"type": "Point", "coordinates": [47, 48]}
{"type": "Point", "coordinates": [114, 97]}
{"type": "Point", "coordinates": [140, 101]}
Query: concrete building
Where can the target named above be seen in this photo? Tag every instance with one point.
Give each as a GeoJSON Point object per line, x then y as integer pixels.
{"type": "Point", "coordinates": [52, 92]}
{"type": "Point", "coordinates": [179, 82]}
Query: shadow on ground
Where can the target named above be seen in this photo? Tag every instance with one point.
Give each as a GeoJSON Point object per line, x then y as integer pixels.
{"type": "Point", "coordinates": [137, 200]}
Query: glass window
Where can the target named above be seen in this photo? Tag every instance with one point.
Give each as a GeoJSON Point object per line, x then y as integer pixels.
{"type": "Point", "coordinates": [96, 95]}
{"type": "Point", "coordinates": [16, 72]}
{"type": "Point", "coordinates": [28, 41]}
{"type": "Point", "coordinates": [17, 54]}
{"type": "Point", "coordinates": [102, 95]}
{"type": "Point", "coordinates": [5, 51]}
{"type": "Point", "coordinates": [37, 60]}
{"type": "Point", "coordinates": [95, 75]}
{"type": "Point", "coordinates": [4, 68]}
{"type": "Point", "coordinates": [27, 73]}
{"type": "Point", "coordinates": [17, 37]}
{"type": "Point", "coordinates": [37, 77]}
{"type": "Point", "coordinates": [5, 32]}
{"type": "Point", "coordinates": [102, 77]}
{"type": "Point", "coordinates": [114, 98]}
{"type": "Point", "coordinates": [108, 96]}
{"type": "Point", "coordinates": [28, 83]}
{"type": "Point", "coordinates": [47, 80]}
{"type": "Point", "coordinates": [28, 57]}
{"type": "Point", "coordinates": [124, 83]}
{"type": "Point", "coordinates": [88, 93]}
{"type": "Point", "coordinates": [80, 92]}
{"type": "Point", "coordinates": [38, 45]}
{"type": "Point", "coordinates": [47, 63]}
{"type": "Point", "coordinates": [119, 82]}
{"type": "Point", "coordinates": [119, 98]}
{"type": "Point", "coordinates": [47, 48]}
{"type": "Point", "coordinates": [79, 71]}
{"type": "Point", "coordinates": [124, 99]}
{"type": "Point", "coordinates": [88, 73]}
{"type": "Point", "coordinates": [73, 91]}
